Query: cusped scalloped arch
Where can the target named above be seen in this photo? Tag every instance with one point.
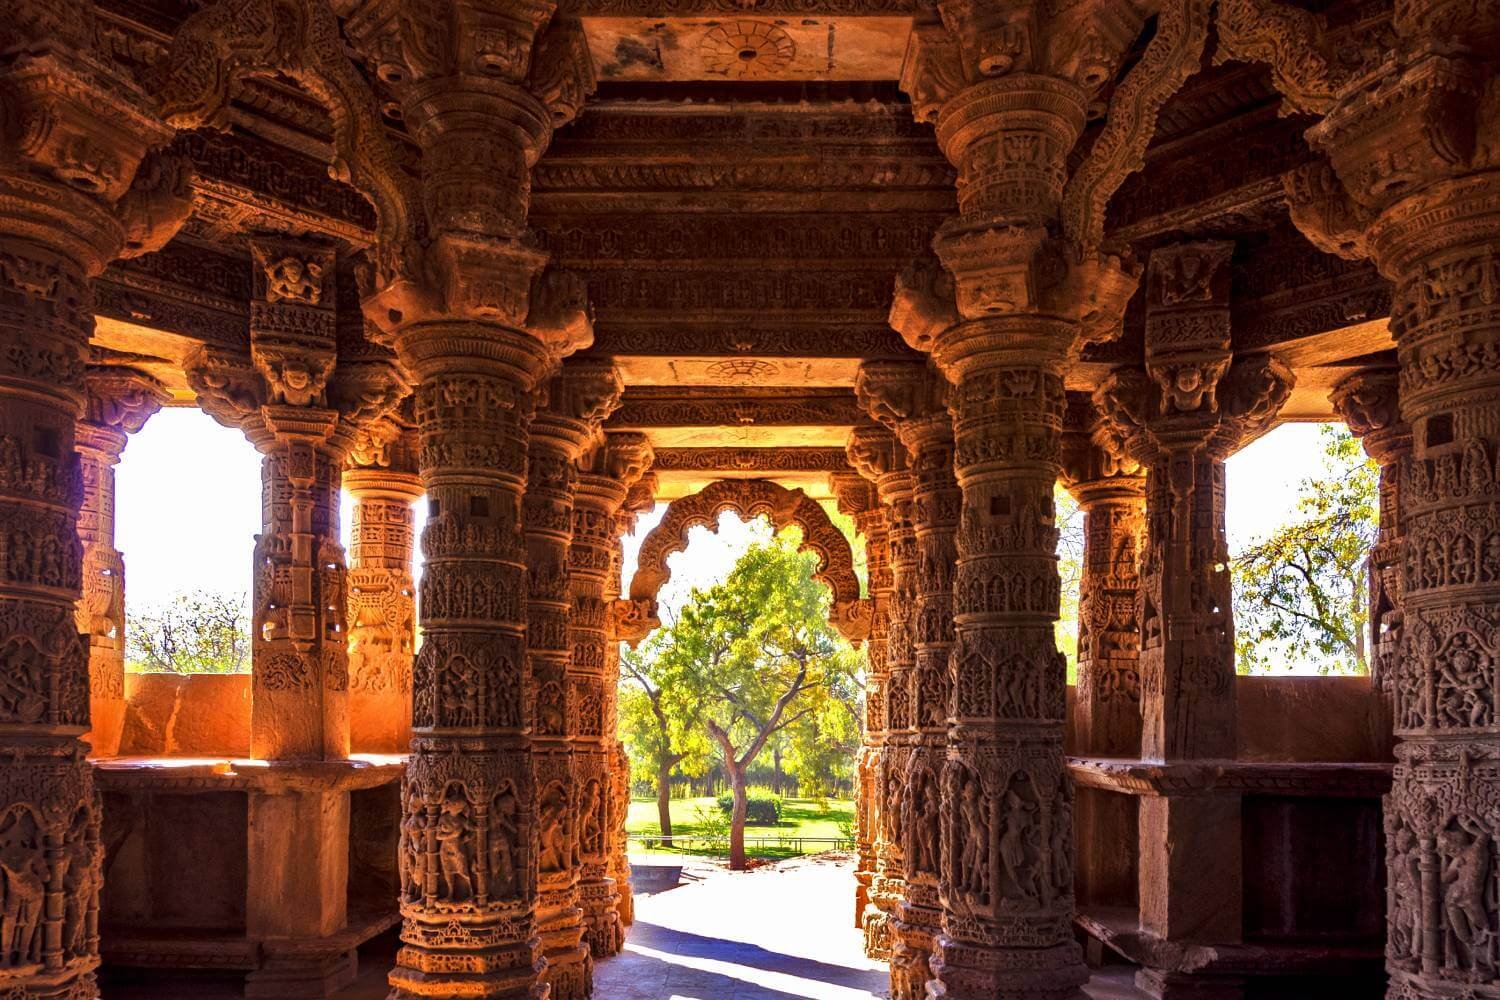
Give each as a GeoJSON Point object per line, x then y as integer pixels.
{"type": "Point", "coordinates": [782, 507]}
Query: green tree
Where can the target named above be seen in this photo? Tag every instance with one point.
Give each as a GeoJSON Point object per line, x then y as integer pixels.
{"type": "Point", "coordinates": [1301, 593]}
{"type": "Point", "coordinates": [661, 727]}
{"type": "Point", "coordinates": [756, 656]}
{"type": "Point", "coordinates": [191, 633]}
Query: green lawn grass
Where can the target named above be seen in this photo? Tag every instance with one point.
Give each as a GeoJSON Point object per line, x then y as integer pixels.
{"type": "Point", "coordinates": [799, 818]}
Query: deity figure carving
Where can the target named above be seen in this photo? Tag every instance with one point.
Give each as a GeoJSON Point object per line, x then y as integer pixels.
{"type": "Point", "coordinates": [454, 833]}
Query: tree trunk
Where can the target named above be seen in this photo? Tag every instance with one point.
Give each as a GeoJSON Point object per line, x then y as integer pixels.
{"type": "Point", "coordinates": [664, 799]}
{"type": "Point", "coordinates": [737, 819]}
{"type": "Point", "coordinates": [776, 775]}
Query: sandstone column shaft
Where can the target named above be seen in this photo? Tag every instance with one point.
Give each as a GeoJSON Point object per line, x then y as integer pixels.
{"type": "Point", "coordinates": [640, 498]}
{"type": "Point", "coordinates": [911, 400]}
{"type": "Point", "coordinates": [1108, 713]}
{"type": "Point", "coordinates": [610, 467]}
{"type": "Point", "coordinates": [382, 606]}
{"type": "Point", "coordinates": [895, 485]}
{"type": "Point", "coordinates": [70, 202]}
{"type": "Point", "coordinates": [1442, 821]}
{"type": "Point", "coordinates": [1008, 839]}
{"type": "Point", "coordinates": [1368, 401]}
{"type": "Point", "coordinates": [548, 511]}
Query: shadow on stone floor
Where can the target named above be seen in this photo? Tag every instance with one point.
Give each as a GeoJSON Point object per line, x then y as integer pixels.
{"type": "Point", "coordinates": [667, 940]}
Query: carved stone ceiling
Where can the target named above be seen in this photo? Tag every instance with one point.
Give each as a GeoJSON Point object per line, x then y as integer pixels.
{"type": "Point", "coordinates": [747, 48]}
{"type": "Point", "coordinates": [738, 198]}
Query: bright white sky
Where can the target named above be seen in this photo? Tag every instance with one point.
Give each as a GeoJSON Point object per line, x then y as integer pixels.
{"type": "Point", "coordinates": [188, 508]}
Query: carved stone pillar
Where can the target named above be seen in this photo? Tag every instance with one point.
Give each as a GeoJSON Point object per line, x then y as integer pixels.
{"type": "Point", "coordinates": [878, 456]}
{"type": "Point", "coordinates": [1412, 181]}
{"type": "Point", "coordinates": [911, 400]}
{"type": "Point", "coordinates": [624, 626]}
{"type": "Point", "coordinates": [74, 194]}
{"type": "Point", "coordinates": [473, 319]}
{"type": "Point", "coordinates": [1110, 489]}
{"type": "Point", "coordinates": [858, 499]}
{"type": "Point", "coordinates": [1181, 418]}
{"type": "Point", "coordinates": [569, 713]}
{"type": "Point", "coordinates": [1009, 87]}
{"type": "Point", "coordinates": [381, 477]}
{"type": "Point", "coordinates": [119, 402]}
{"type": "Point", "coordinates": [304, 398]}
{"type": "Point", "coordinates": [1368, 402]}
{"type": "Point", "coordinates": [609, 468]}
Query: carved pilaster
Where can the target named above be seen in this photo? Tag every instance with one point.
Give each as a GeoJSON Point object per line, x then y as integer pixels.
{"type": "Point", "coordinates": [73, 196]}
{"type": "Point", "coordinates": [1181, 418]}
{"type": "Point", "coordinates": [1369, 403]}
{"type": "Point", "coordinates": [299, 652]}
{"type": "Point", "coordinates": [876, 454]}
{"type": "Point", "coordinates": [609, 468]}
{"type": "Point", "coordinates": [381, 477]}
{"type": "Point", "coordinates": [119, 402]}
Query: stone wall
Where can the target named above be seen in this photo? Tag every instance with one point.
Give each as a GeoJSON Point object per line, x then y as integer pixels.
{"type": "Point", "coordinates": [186, 715]}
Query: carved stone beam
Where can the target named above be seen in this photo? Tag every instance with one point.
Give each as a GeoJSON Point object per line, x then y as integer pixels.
{"type": "Point", "coordinates": [1309, 70]}
{"type": "Point", "coordinates": [217, 48]}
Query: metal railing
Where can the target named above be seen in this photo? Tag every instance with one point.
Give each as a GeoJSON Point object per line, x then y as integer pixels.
{"type": "Point", "coordinates": [718, 846]}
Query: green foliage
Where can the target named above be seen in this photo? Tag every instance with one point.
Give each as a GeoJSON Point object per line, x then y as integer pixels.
{"type": "Point", "coordinates": [710, 822]}
{"type": "Point", "coordinates": [762, 808]}
{"type": "Point", "coordinates": [192, 633]}
{"type": "Point", "coordinates": [1300, 593]}
{"type": "Point", "coordinates": [748, 660]}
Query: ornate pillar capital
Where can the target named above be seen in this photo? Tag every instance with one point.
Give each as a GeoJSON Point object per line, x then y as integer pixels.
{"type": "Point", "coordinates": [117, 402]}
{"type": "Point", "coordinates": [874, 452]}
{"type": "Point", "coordinates": [574, 404]}
{"type": "Point", "coordinates": [1096, 465]}
{"type": "Point", "coordinates": [1410, 173]}
{"type": "Point", "coordinates": [1369, 402]}
{"type": "Point", "coordinates": [1193, 394]}
{"type": "Point", "coordinates": [71, 178]}
{"type": "Point", "coordinates": [910, 399]}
